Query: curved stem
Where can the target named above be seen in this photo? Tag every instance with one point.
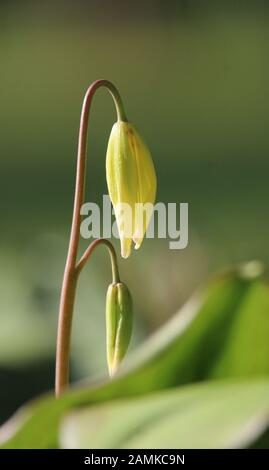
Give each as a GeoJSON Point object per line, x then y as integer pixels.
{"type": "Point", "coordinates": [112, 253]}
{"type": "Point", "coordinates": [70, 274]}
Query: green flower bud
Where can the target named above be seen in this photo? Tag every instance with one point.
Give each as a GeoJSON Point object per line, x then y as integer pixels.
{"type": "Point", "coordinates": [131, 182]}
{"type": "Point", "coordinates": [119, 319]}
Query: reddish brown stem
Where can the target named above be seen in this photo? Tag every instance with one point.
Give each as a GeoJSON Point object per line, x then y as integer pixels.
{"type": "Point", "coordinates": [71, 273]}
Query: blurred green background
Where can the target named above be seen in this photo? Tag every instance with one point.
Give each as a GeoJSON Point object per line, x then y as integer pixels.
{"type": "Point", "coordinates": [194, 79]}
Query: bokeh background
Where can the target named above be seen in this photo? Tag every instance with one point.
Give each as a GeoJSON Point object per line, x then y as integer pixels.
{"type": "Point", "coordinates": [194, 79]}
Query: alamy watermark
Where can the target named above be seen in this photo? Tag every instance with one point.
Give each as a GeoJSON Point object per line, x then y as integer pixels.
{"type": "Point", "coordinates": [165, 221]}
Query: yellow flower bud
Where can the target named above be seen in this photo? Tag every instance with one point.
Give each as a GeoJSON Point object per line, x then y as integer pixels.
{"type": "Point", "coordinates": [119, 320]}
{"type": "Point", "coordinates": [131, 181]}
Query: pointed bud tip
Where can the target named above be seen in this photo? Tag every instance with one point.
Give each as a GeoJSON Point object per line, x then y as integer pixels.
{"type": "Point", "coordinates": [125, 249]}
{"type": "Point", "coordinates": [112, 369]}
{"type": "Point", "coordinates": [137, 239]}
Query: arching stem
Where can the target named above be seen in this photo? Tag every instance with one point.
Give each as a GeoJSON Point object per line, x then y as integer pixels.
{"type": "Point", "coordinates": [71, 272]}
{"type": "Point", "coordinates": [112, 253]}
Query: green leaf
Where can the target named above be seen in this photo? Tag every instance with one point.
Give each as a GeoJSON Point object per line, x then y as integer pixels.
{"type": "Point", "coordinates": [221, 332]}
{"type": "Point", "coordinates": [246, 347]}
{"type": "Point", "coordinates": [212, 415]}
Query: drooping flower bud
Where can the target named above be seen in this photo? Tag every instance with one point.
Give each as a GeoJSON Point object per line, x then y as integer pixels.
{"type": "Point", "coordinates": [119, 320]}
{"type": "Point", "coordinates": [131, 181]}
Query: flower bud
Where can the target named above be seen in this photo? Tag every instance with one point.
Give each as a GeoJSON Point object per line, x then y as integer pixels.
{"type": "Point", "coordinates": [119, 319]}
{"type": "Point", "coordinates": [131, 181]}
